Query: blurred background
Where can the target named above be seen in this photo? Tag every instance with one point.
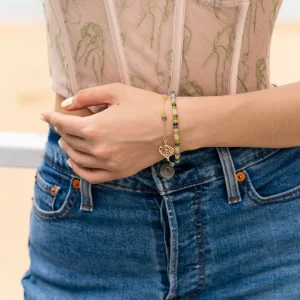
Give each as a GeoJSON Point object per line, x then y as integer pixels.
{"type": "Point", "coordinates": [26, 91]}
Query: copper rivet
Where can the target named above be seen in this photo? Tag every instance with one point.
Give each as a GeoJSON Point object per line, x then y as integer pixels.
{"type": "Point", "coordinates": [240, 176]}
{"type": "Point", "coordinates": [53, 190]}
{"type": "Point", "coordinates": [76, 183]}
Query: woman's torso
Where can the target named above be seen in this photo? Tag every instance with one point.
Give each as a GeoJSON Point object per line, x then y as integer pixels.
{"type": "Point", "coordinates": [207, 47]}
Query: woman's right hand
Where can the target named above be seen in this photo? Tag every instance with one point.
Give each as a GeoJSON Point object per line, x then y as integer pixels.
{"type": "Point", "coordinates": [80, 112]}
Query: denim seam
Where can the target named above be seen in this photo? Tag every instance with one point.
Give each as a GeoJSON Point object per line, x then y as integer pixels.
{"type": "Point", "coordinates": [257, 159]}
{"type": "Point", "coordinates": [156, 202]}
{"type": "Point", "coordinates": [53, 197]}
{"type": "Point", "coordinates": [265, 154]}
{"type": "Point", "coordinates": [221, 174]}
{"type": "Point", "coordinates": [196, 181]}
{"type": "Point", "coordinates": [276, 199]}
{"type": "Point", "coordinates": [107, 184]}
{"type": "Point", "coordinates": [44, 190]}
{"type": "Point", "coordinates": [295, 191]}
{"type": "Point", "coordinates": [53, 218]}
{"type": "Point", "coordinates": [173, 259]}
{"type": "Point", "coordinates": [41, 182]}
{"type": "Point", "coordinates": [216, 176]}
{"type": "Point", "coordinates": [198, 289]}
{"type": "Point", "coordinates": [58, 168]}
{"type": "Point", "coordinates": [164, 232]}
{"type": "Point", "coordinates": [196, 233]}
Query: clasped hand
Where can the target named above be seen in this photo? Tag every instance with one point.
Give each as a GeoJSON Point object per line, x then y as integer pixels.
{"type": "Point", "coordinates": [117, 142]}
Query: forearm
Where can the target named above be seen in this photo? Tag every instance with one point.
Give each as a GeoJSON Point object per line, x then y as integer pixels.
{"type": "Point", "coordinates": [267, 118]}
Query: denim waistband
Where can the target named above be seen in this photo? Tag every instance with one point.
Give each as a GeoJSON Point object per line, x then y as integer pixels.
{"type": "Point", "coordinates": [196, 166]}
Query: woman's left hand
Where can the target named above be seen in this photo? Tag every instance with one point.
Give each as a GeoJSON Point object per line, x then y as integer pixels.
{"type": "Point", "coordinates": [119, 141]}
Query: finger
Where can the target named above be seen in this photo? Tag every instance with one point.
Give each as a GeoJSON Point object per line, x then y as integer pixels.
{"type": "Point", "coordinates": [81, 159]}
{"type": "Point", "coordinates": [67, 123]}
{"type": "Point", "coordinates": [95, 96]}
{"type": "Point", "coordinates": [75, 142]}
{"type": "Point", "coordinates": [93, 176]}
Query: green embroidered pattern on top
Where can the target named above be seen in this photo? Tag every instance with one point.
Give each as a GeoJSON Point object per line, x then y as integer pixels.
{"type": "Point", "coordinates": [123, 33]}
{"type": "Point", "coordinates": [61, 53]}
{"type": "Point", "coordinates": [244, 67]}
{"type": "Point", "coordinates": [255, 14]}
{"type": "Point", "coordinates": [167, 10]}
{"type": "Point", "coordinates": [168, 57]}
{"type": "Point", "coordinates": [261, 70]}
{"type": "Point", "coordinates": [261, 73]}
{"type": "Point", "coordinates": [137, 81]}
{"type": "Point", "coordinates": [69, 7]}
{"type": "Point", "coordinates": [188, 87]}
{"type": "Point", "coordinates": [90, 49]}
{"type": "Point", "coordinates": [217, 49]}
{"type": "Point", "coordinates": [222, 67]}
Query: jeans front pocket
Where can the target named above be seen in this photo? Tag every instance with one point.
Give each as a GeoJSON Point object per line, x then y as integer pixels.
{"type": "Point", "coordinates": [55, 193]}
{"type": "Point", "coordinates": [274, 179]}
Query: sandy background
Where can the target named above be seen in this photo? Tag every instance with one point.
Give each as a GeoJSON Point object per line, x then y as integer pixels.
{"type": "Point", "coordinates": [25, 92]}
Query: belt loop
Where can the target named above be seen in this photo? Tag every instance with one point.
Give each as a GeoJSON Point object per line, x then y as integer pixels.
{"type": "Point", "coordinates": [229, 174]}
{"type": "Point", "coordinates": [86, 195]}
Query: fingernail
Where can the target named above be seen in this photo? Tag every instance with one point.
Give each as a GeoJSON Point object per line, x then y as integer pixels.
{"type": "Point", "coordinates": [69, 164]}
{"type": "Point", "coordinates": [42, 118]}
{"type": "Point", "coordinates": [60, 144]}
{"type": "Point", "coordinates": [67, 102]}
{"type": "Point", "coordinates": [55, 128]}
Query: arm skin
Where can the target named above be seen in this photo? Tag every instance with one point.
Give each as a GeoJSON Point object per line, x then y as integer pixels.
{"type": "Point", "coordinates": [266, 118]}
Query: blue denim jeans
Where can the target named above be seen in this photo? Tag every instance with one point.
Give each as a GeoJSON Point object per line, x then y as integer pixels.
{"type": "Point", "coordinates": [226, 225]}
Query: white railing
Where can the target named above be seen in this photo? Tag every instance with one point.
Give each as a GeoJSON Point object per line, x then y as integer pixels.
{"type": "Point", "coordinates": [21, 150]}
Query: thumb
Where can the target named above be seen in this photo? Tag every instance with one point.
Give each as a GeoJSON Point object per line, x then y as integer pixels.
{"type": "Point", "coordinates": [95, 96]}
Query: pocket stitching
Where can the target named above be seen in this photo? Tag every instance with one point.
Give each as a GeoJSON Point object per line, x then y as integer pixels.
{"type": "Point", "coordinates": [46, 186]}
{"type": "Point", "coordinates": [257, 159]}
{"type": "Point", "coordinates": [61, 209]}
{"type": "Point", "coordinates": [66, 207]}
{"type": "Point", "coordinates": [279, 197]}
{"type": "Point", "coordinates": [52, 218]}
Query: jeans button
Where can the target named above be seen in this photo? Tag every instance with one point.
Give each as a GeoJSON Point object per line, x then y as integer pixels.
{"type": "Point", "coordinates": [167, 171]}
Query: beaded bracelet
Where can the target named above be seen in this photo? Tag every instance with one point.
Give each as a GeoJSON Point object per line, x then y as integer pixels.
{"type": "Point", "coordinates": [175, 126]}
{"type": "Point", "coordinates": [167, 150]}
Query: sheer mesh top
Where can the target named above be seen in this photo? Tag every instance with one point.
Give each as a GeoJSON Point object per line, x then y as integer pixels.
{"type": "Point", "coordinates": [194, 47]}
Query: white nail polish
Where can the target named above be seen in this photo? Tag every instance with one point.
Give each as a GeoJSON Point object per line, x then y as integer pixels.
{"type": "Point", "coordinates": [69, 164]}
{"type": "Point", "coordinates": [67, 102]}
{"type": "Point", "coordinates": [59, 143]}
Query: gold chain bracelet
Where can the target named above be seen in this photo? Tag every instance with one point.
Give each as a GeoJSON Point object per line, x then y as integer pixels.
{"type": "Point", "coordinates": [166, 150]}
